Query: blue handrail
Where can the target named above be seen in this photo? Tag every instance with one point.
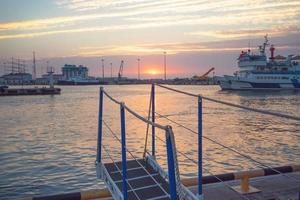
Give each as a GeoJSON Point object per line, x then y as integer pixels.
{"type": "Point", "coordinates": [123, 140]}
{"type": "Point", "coordinates": [153, 118]}
{"type": "Point", "coordinates": [100, 116]}
{"type": "Point", "coordinates": [266, 112]}
{"type": "Point", "coordinates": [171, 167]}
{"type": "Point", "coordinates": [200, 147]}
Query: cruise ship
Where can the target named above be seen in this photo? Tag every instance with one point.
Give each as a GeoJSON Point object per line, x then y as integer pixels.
{"type": "Point", "coordinates": [257, 72]}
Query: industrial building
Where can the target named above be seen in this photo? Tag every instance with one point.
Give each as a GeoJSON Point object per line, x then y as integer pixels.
{"type": "Point", "coordinates": [73, 71]}
{"type": "Point", "coordinates": [16, 79]}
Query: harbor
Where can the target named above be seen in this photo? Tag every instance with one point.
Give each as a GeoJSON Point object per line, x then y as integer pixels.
{"type": "Point", "coordinates": [149, 100]}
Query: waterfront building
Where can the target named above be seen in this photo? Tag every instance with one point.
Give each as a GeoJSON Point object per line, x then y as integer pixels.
{"type": "Point", "coordinates": [73, 71]}
{"type": "Point", "coordinates": [16, 78]}
{"type": "Point", "coordinates": [56, 77]}
{"type": "Point", "coordinates": [45, 79]}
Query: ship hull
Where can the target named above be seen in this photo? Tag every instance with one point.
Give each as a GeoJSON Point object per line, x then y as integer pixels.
{"type": "Point", "coordinates": [243, 85]}
{"type": "Point", "coordinates": [29, 91]}
{"type": "Point", "coordinates": [62, 82]}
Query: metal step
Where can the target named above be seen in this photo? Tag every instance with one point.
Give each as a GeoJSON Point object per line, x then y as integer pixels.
{"type": "Point", "coordinates": [143, 181]}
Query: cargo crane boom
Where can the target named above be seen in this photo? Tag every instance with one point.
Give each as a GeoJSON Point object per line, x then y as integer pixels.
{"type": "Point", "coordinates": [204, 76]}
{"type": "Point", "coordinates": [120, 74]}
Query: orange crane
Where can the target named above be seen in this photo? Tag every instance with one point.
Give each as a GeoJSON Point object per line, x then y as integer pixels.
{"type": "Point", "coordinates": [203, 77]}
{"type": "Point", "coordinates": [120, 74]}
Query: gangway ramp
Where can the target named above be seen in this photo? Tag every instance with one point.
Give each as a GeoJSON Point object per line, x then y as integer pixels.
{"type": "Point", "coordinates": [142, 177]}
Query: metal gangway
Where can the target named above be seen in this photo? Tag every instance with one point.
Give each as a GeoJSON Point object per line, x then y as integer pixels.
{"type": "Point", "coordinates": [143, 178]}
{"type": "Point", "coordinates": [140, 178]}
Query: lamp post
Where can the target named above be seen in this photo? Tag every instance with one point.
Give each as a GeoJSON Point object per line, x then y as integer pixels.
{"type": "Point", "coordinates": [139, 77]}
{"type": "Point", "coordinates": [165, 65]}
{"type": "Point", "coordinates": [111, 70]}
{"type": "Point", "coordinates": [102, 68]}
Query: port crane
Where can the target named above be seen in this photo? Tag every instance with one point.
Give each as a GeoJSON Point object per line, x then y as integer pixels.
{"type": "Point", "coordinates": [120, 74]}
{"type": "Point", "coordinates": [203, 77]}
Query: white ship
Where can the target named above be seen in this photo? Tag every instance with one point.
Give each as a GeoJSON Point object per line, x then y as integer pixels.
{"type": "Point", "coordinates": [257, 72]}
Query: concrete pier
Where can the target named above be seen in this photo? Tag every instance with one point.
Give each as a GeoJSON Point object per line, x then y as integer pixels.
{"type": "Point", "coordinates": [273, 187]}
{"type": "Point", "coordinates": [29, 91]}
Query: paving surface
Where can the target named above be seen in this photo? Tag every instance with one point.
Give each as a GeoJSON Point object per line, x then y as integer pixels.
{"type": "Point", "coordinates": [274, 187]}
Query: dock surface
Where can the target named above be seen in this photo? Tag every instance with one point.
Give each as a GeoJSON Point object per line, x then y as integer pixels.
{"type": "Point", "coordinates": [275, 187]}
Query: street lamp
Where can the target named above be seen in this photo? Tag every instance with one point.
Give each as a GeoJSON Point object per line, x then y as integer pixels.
{"type": "Point", "coordinates": [111, 70]}
{"type": "Point", "coordinates": [165, 64]}
{"type": "Point", "coordinates": [139, 77]}
{"type": "Point", "coordinates": [102, 68]}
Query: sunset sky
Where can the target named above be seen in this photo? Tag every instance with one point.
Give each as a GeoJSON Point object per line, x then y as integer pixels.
{"type": "Point", "coordinates": [196, 34]}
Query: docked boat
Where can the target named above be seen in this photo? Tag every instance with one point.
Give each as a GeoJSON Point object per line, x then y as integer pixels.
{"type": "Point", "coordinates": [257, 72]}
{"type": "Point", "coordinates": [81, 81]}
{"type": "Point", "coordinates": [29, 91]}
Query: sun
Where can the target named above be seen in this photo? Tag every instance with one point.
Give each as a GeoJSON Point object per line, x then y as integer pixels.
{"type": "Point", "coordinates": [153, 72]}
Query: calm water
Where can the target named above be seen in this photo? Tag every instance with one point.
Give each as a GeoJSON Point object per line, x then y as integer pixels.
{"type": "Point", "coordinates": [48, 143]}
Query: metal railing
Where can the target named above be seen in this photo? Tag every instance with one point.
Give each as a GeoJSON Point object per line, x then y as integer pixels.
{"type": "Point", "coordinates": [200, 136]}
{"type": "Point", "coordinates": [170, 146]}
{"type": "Point", "coordinates": [173, 168]}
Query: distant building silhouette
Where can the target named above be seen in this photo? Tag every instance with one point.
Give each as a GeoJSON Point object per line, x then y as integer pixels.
{"type": "Point", "coordinates": [16, 78]}
{"type": "Point", "coordinates": [73, 71]}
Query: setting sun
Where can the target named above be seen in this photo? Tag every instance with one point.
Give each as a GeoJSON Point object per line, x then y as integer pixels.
{"type": "Point", "coordinates": [153, 72]}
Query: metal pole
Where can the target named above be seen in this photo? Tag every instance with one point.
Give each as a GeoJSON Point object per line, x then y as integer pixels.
{"type": "Point", "coordinates": [12, 64]}
{"type": "Point", "coordinates": [153, 118]}
{"type": "Point", "coordinates": [171, 168]}
{"type": "Point", "coordinates": [200, 147]}
{"type": "Point", "coordinates": [165, 65]}
{"type": "Point", "coordinates": [111, 70]}
{"type": "Point", "coordinates": [102, 68]}
{"type": "Point", "coordinates": [123, 138]}
{"type": "Point", "coordinates": [34, 67]}
{"type": "Point", "coordinates": [100, 116]}
{"type": "Point", "coordinates": [139, 77]}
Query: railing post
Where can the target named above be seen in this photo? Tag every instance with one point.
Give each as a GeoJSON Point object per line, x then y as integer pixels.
{"type": "Point", "coordinates": [100, 116]}
{"type": "Point", "coordinates": [200, 195]}
{"type": "Point", "coordinates": [153, 118]}
{"type": "Point", "coordinates": [171, 167]}
{"type": "Point", "coordinates": [123, 141]}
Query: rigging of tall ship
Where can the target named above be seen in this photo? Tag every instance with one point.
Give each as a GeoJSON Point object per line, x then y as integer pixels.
{"type": "Point", "coordinates": [257, 72]}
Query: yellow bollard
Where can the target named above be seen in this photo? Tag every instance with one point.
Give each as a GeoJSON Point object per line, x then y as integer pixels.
{"type": "Point", "coordinates": [245, 184]}
{"type": "Point", "coordinates": [244, 187]}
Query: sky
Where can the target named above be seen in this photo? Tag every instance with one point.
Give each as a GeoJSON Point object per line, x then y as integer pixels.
{"type": "Point", "coordinates": [196, 34]}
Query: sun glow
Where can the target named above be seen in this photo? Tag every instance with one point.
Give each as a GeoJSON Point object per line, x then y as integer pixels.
{"type": "Point", "coordinates": [153, 72]}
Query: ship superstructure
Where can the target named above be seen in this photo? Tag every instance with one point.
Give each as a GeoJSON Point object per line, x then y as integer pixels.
{"type": "Point", "coordinates": [257, 71]}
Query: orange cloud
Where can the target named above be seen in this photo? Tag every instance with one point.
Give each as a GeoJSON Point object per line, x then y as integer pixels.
{"type": "Point", "coordinates": [240, 33]}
